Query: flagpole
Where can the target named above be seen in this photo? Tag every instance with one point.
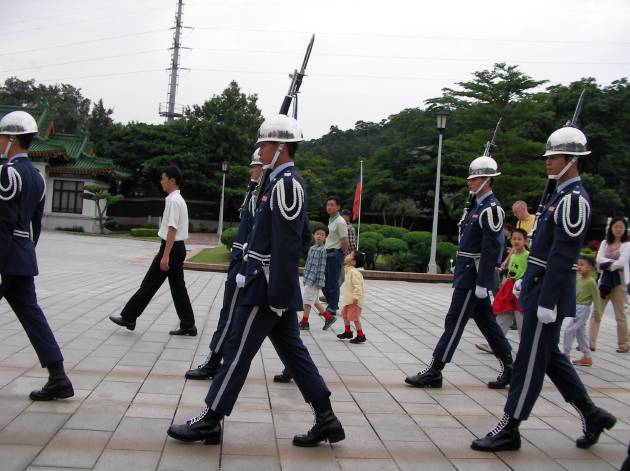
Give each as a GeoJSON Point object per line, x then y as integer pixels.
{"type": "Point", "coordinates": [360, 198]}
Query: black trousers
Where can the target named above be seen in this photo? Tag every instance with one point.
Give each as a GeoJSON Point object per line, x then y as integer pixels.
{"type": "Point", "coordinates": [464, 305]}
{"type": "Point", "coordinates": [154, 279]}
{"type": "Point", "coordinates": [250, 326]}
{"type": "Point", "coordinates": [538, 354]}
{"type": "Point", "coordinates": [19, 291]}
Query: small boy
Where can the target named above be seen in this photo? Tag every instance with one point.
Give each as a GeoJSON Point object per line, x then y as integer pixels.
{"type": "Point", "coordinates": [315, 279]}
{"type": "Point", "coordinates": [352, 296]}
{"type": "Point", "coordinates": [586, 293]}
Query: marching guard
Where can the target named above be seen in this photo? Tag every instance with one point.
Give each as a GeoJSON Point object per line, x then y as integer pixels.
{"type": "Point", "coordinates": [22, 196]}
{"type": "Point", "coordinates": [477, 255]}
{"type": "Point", "coordinates": [269, 298]}
{"type": "Point", "coordinates": [230, 293]}
{"type": "Point", "coordinates": [548, 296]}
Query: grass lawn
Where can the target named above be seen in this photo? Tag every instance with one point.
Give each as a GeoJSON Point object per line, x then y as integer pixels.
{"type": "Point", "coordinates": [215, 255]}
{"type": "Point", "coordinates": [113, 235]}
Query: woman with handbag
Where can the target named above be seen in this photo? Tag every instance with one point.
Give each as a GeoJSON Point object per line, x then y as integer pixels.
{"type": "Point", "coordinates": [612, 260]}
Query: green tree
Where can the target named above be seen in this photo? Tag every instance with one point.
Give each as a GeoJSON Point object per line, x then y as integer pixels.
{"type": "Point", "coordinates": [103, 199]}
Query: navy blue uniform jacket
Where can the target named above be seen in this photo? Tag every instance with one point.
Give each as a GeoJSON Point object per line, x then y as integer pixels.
{"type": "Point", "coordinates": [22, 193]}
{"type": "Point", "coordinates": [480, 246]}
{"type": "Point", "coordinates": [279, 230]}
{"type": "Point", "coordinates": [549, 280]}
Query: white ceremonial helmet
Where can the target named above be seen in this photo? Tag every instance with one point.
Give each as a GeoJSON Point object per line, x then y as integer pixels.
{"type": "Point", "coordinates": [255, 159]}
{"type": "Point", "coordinates": [280, 128]}
{"type": "Point", "coordinates": [484, 166]}
{"type": "Point", "coordinates": [567, 140]}
{"type": "Point", "coordinates": [17, 123]}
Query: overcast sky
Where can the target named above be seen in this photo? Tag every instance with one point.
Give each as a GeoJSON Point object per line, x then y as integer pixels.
{"type": "Point", "coordinates": [371, 58]}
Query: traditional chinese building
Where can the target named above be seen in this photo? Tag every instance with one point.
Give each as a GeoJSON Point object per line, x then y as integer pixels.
{"type": "Point", "coordinates": [69, 164]}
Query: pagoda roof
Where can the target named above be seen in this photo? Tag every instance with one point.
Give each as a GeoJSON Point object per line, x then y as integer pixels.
{"type": "Point", "coordinates": [66, 153]}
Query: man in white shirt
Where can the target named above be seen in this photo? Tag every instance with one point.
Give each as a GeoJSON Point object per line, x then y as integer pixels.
{"type": "Point", "coordinates": [168, 263]}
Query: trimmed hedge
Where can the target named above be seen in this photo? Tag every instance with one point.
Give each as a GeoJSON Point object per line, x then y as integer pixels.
{"type": "Point", "coordinates": [144, 232]}
{"type": "Point", "coordinates": [391, 245]}
{"type": "Point", "coordinates": [417, 237]}
{"type": "Point", "coordinates": [228, 236]}
{"type": "Point", "coordinates": [393, 232]}
{"type": "Point", "coordinates": [377, 236]}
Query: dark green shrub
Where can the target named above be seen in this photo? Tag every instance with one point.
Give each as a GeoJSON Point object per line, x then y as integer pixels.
{"type": "Point", "coordinates": [402, 261]}
{"type": "Point", "coordinates": [372, 235]}
{"type": "Point", "coordinates": [445, 251]}
{"type": "Point", "coordinates": [417, 237]}
{"type": "Point", "coordinates": [370, 248]}
{"type": "Point", "coordinates": [144, 232]}
{"type": "Point", "coordinates": [228, 236]}
{"type": "Point", "coordinates": [393, 232]}
{"type": "Point", "coordinates": [391, 245]}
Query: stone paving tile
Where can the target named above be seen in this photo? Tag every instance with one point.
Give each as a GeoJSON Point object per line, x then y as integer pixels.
{"type": "Point", "coordinates": [130, 385]}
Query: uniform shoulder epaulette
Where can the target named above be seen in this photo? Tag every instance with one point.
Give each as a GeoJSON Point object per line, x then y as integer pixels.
{"type": "Point", "coordinates": [279, 197]}
{"type": "Point", "coordinates": [10, 182]}
{"type": "Point", "coordinates": [494, 216]}
{"type": "Point", "coordinates": [572, 213]}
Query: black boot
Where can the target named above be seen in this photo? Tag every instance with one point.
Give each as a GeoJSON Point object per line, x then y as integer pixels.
{"type": "Point", "coordinates": [58, 385]}
{"type": "Point", "coordinates": [430, 377]}
{"type": "Point", "coordinates": [505, 436]}
{"type": "Point", "coordinates": [205, 427]}
{"type": "Point", "coordinates": [326, 427]}
{"type": "Point", "coordinates": [594, 421]}
{"type": "Point", "coordinates": [284, 377]}
{"type": "Point", "coordinates": [505, 374]}
{"type": "Point", "coordinates": [207, 369]}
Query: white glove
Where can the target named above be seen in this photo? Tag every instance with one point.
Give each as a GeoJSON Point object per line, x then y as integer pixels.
{"type": "Point", "coordinates": [480, 292]}
{"type": "Point", "coordinates": [546, 316]}
{"type": "Point", "coordinates": [240, 280]}
{"type": "Point", "coordinates": [516, 289]}
{"type": "Point", "coordinates": [277, 311]}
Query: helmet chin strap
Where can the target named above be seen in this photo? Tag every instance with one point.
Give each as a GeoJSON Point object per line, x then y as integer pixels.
{"type": "Point", "coordinates": [476, 192]}
{"type": "Point", "coordinates": [5, 153]}
{"type": "Point", "coordinates": [564, 170]}
{"type": "Point", "coordinates": [276, 155]}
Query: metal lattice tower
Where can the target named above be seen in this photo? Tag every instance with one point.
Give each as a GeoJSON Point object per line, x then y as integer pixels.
{"type": "Point", "coordinates": [170, 110]}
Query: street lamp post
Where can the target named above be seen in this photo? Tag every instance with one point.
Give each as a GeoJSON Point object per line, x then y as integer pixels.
{"type": "Point", "coordinates": [224, 167]}
{"type": "Point", "coordinates": [441, 125]}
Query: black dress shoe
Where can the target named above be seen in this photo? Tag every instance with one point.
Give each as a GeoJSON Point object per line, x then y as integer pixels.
{"type": "Point", "coordinates": [190, 331]}
{"type": "Point", "coordinates": [327, 427]}
{"type": "Point", "coordinates": [345, 335]}
{"type": "Point", "coordinates": [328, 322]}
{"type": "Point", "coordinates": [358, 339]}
{"type": "Point", "coordinates": [430, 377]}
{"type": "Point", "coordinates": [207, 369]}
{"type": "Point", "coordinates": [122, 322]}
{"type": "Point", "coordinates": [505, 375]}
{"type": "Point", "coordinates": [594, 421]}
{"type": "Point", "coordinates": [505, 436]}
{"type": "Point", "coordinates": [284, 377]}
{"type": "Point", "coordinates": [205, 427]}
{"type": "Point", "coordinates": [58, 385]}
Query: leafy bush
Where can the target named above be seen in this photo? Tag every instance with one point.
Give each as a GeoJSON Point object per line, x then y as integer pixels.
{"type": "Point", "coordinates": [393, 232]}
{"type": "Point", "coordinates": [444, 253]}
{"type": "Point", "coordinates": [228, 236]}
{"type": "Point", "coordinates": [315, 223]}
{"type": "Point", "coordinates": [370, 248]}
{"type": "Point", "coordinates": [371, 235]}
{"type": "Point", "coordinates": [391, 245]}
{"type": "Point", "coordinates": [402, 261]}
{"type": "Point", "coordinates": [417, 237]}
{"type": "Point", "coordinates": [144, 232]}
{"type": "Point", "coordinates": [71, 229]}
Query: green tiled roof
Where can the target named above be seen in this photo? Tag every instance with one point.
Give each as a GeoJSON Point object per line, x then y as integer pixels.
{"type": "Point", "coordinates": [66, 153]}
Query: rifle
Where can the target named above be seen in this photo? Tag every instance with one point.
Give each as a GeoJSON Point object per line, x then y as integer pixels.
{"type": "Point", "coordinates": [551, 184]}
{"type": "Point", "coordinates": [294, 89]}
{"type": "Point", "coordinates": [486, 153]}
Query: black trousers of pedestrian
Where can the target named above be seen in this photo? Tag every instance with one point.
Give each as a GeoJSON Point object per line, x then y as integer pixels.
{"type": "Point", "coordinates": [19, 291]}
{"type": "Point", "coordinates": [464, 305]}
{"type": "Point", "coordinates": [154, 279]}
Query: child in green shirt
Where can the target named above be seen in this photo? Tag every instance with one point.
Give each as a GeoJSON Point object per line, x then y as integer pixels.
{"type": "Point", "coordinates": [586, 293]}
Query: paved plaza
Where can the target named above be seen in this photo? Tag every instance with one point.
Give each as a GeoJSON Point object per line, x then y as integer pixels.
{"type": "Point", "coordinates": [130, 386]}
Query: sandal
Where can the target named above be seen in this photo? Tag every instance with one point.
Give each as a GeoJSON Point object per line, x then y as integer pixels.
{"type": "Point", "coordinates": [623, 350]}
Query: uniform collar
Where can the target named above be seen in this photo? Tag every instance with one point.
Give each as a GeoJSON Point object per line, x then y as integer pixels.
{"type": "Point", "coordinates": [567, 183]}
{"type": "Point", "coordinates": [19, 156]}
{"type": "Point", "coordinates": [481, 199]}
{"type": "Point", "coordinates": [279, 169]}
